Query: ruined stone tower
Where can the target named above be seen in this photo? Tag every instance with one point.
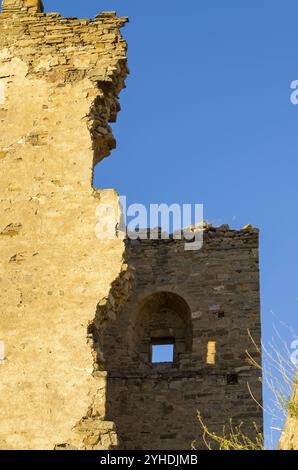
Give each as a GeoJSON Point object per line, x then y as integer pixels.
{"type": "Point", "coordinates": [203, 303]}
{"type": "Point", "coordinates": [14, 6]}
{"type": "Point", "coordinates": [80, 316]}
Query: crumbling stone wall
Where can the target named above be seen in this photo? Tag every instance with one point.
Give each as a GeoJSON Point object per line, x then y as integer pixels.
{"type": "Point", "coordinates": [30, 6]}
{"type": "Point", "coordinates": [78, 314]}
{"type": "Point", "coordinates": [206, 301]}
{"type": "Point", "coordinates": [59, 85]}
{"type": "Point", "coordinates": [289, 437]}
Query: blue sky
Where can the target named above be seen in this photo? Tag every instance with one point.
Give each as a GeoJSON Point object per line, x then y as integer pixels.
{"type": "Point", "coordinates": [207, 118]}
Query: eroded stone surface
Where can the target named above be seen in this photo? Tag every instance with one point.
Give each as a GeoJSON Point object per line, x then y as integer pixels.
{"type": "Point", "coordinates": [78, 314]}
{"type": "Point", "coordinates": [59, 85]}
{"type": "Point", "coordinates": [289, 437]}
{"type": "Point", "coordinates": [30, 6]}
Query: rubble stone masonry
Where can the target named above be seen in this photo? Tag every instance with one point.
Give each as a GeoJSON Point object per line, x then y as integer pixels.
{"type": "Point", "coordinates": [289, 437]}
{"type": "Point", "coordinates": [79, 316]}
{"type": "Point", "coordinates": [203, 302]}
{"type": "Point", "coordinates": [59, 85]}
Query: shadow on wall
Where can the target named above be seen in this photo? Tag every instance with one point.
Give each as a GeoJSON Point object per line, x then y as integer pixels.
{"type": "Point", "coordinates": [166, 297]}
{"type": "Point", "coordinates": [144, 393]}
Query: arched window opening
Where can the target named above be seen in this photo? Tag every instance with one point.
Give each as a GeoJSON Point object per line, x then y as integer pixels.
{"type": "Point", "coordinates": [163, 330]}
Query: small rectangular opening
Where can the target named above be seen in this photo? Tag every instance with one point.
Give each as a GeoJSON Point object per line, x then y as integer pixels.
{"type": "Point", "coordinates": [211, 352]}
{"type": "Point", "coordinates": [232, 379]}
{"type": "Point", "coordinates": [162, 352]}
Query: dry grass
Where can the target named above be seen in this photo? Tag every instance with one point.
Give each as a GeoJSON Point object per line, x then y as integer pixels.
{"type": "Point", "coordinates": [279, 374]}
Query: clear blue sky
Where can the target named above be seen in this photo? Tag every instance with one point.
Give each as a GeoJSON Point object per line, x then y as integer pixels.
{"type": "Point", "coordinates": [206, 117]}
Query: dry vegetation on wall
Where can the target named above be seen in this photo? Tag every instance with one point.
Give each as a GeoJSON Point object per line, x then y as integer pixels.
{"type": "Point", "coordinates": [280, 377]}
{"type": "Point", "coordinates": [232, 437]}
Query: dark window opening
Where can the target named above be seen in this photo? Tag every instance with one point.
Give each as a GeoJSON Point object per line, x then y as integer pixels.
{"type": "Point", "coordinates": [162, 351]}
{"type": "Point", "coordinates": [232, 379]}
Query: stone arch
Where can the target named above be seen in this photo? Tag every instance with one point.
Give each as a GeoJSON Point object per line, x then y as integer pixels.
{"type": "Point", "coordinates": [142, 397]}
{"type": "Point", "coordinates": [162, 316]}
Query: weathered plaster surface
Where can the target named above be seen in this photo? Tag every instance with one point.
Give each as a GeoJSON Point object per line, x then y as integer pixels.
{"type": "Point", "coordinates": [75, 316]}
{"type": "Point", "coordinates": [59, 81]}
